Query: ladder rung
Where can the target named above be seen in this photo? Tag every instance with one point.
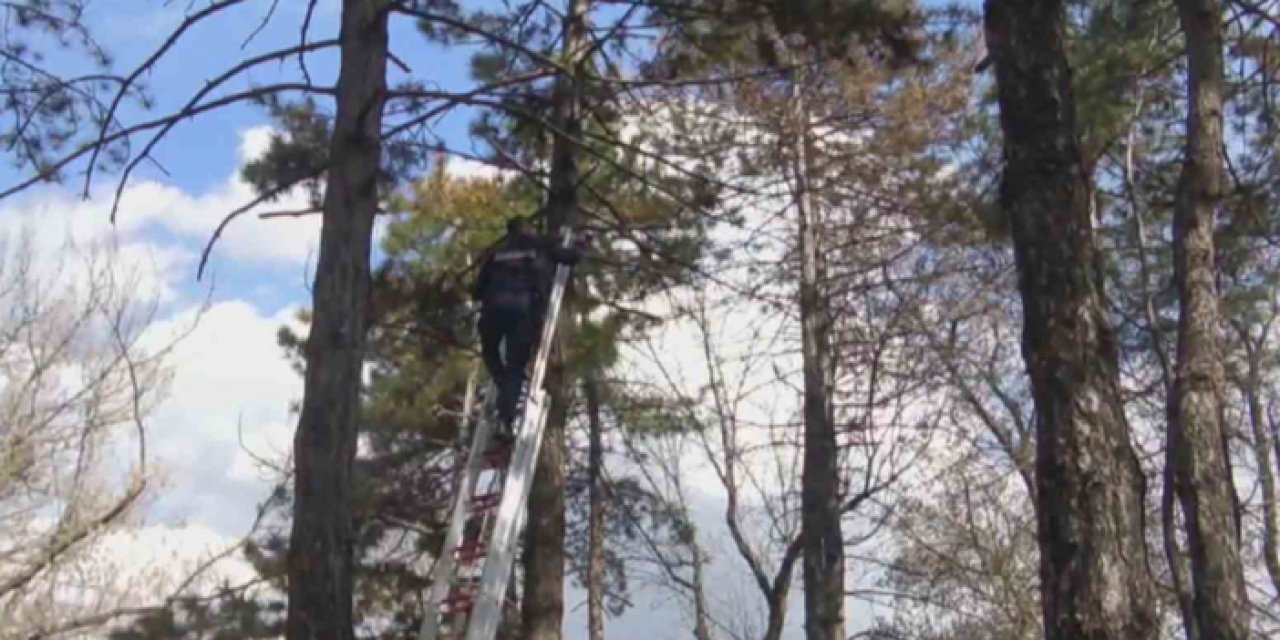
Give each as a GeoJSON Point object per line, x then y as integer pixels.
{"type": "Point", "coordinates": [458, 601]}
{"type": "Point", "coordinates": [486, 501]}
{"type": "Point", "coordinates": [497, 458]}
{"type": "Point", "coordinates": [469, 552]}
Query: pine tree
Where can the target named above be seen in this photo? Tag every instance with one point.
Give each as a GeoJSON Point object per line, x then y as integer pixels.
{"type": "Point", "coordinates": [1088, 481]}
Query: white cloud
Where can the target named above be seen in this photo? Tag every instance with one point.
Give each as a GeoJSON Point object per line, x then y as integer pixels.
{"type": "Point", "coordinates": [254, 142]}
{"type": "Point", "coordinates": [175, 223]}
{"type": "Point", "coordinates": [467, 168]}
{"type": "Point", "coordinates": [180, 549]}
{"type": "Point", "coordinates": [229, 399]}
{"type": "Point", "coordinates": [229, 404]}
{"type": "Point", "coordinates": [277, 242]}
{"type": "Point", "coordinates": [231, 382]}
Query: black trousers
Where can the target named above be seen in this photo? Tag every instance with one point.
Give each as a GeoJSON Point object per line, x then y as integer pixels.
{"type": "Point", "coordinates": [507, 338]}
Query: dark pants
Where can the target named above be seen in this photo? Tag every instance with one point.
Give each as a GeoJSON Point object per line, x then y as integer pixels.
{"type": "Point", "coordinates": [507, 338]}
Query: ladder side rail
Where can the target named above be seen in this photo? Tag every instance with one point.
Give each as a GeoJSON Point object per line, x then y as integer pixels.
{"type": "Point", "coordinates": [483, 624]}
{"type": "Point", "coordinates": [487, 615]}
{"type": "Point", "coordinates": [447, 566]}
{"type": "Point", "coordinates": [469, 397]}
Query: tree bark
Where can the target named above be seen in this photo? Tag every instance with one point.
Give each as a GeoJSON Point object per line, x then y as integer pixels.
{"type": "Point", "coordinates": [542, 611]}
{"type": "Point", "coordinates": [1089, 486]}
{"type": "Point", "coordinates": [1202, 469]}
{"type": "Point", "coordinates": [319, 559]}
{"type": "Point", "coordinates": [823, 542]}
{"type": "Point", "coordinates": [595, 524]}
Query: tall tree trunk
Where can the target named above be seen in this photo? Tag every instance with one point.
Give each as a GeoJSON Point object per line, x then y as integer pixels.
{"type": "Point", "coordinates": [1089, 486]}
{"type": "Point", "coordinates": [542, 611]}
{"type": "Point", "coordinates": [823, 543]}
{"type": "Point", "coordinates": [1168, 501]}
{"type": "Point", "coordinates": [1202, 470]}
{"type": "Point", "coordinates": [595, 523]}
{"type": "Point", "coordinates": [319, 560]}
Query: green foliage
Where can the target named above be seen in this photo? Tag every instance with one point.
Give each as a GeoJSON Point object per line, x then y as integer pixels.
{"type": "Point", "coordinates": [751, 33]}
{"type": "Point", "coordinates": [297, 152]}
{"type": "Point", "coordinates": [47, 112]}
{"type": "Point", "coordinates": [1120, 49]}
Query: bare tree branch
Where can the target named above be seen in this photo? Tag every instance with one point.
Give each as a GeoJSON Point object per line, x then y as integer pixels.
{"type": "Point", "coordinates": [199, 95]}
{"type": "Point", "coordinates": [147, 65]}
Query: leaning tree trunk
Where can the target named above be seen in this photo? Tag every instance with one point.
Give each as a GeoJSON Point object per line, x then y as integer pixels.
{"type": "Point", "coordinates": [1089, 486]}
{"type": "Point", "coordinates": [542, 611]}
{"type": "Point", "coordinates": [1202, 470]}
{"type": "Point", "coordinates": [822, 540]}
{"type": "Point", "coordinates": [319, 559]}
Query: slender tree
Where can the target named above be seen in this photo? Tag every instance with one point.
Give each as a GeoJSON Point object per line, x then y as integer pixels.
{"type": "Point", "coordinates": [823, 540]}
{"type": "Point", "coordinates": [1198, 438]}
{"type": "Point", "coordinates": [542, 609]}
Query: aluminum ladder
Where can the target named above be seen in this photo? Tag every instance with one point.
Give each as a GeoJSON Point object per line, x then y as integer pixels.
{"type": "Point", "coordinates": [474, 567]}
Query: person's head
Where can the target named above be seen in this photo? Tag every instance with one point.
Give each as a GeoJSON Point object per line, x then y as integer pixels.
{"type": "Point", "coordinates": [515, 226]}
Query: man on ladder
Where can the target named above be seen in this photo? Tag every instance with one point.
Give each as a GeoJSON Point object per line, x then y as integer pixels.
{"type": "Point", "coordinates": [520, 294]}
{"type": "Point", "coordinates": [512, 288]}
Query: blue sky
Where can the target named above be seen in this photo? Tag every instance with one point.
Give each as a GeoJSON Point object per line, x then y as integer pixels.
{"type": "Point", "coordinates": [199, 152]}
{"type": "Point", "coordinates": [199, 156]}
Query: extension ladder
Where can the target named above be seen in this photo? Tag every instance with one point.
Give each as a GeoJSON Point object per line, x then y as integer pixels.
{"type": "Point", "coordinates": [474, 567]}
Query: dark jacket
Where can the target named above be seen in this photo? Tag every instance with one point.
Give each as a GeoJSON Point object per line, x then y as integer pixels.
{"type": "Point", "coordinates": [517, 272]}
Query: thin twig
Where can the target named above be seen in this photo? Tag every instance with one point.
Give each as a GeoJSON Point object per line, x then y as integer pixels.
{"type": "Point", "coordinates": [195, 100]}
{"type": "Point", "coordinates": [224, 101]}
{"type": "Point", "coordinates": [306, 28]}
{"type": "Point", "coordinates": [289, 213]}
{"type": "Point", "coordinates": [262, 25]}
{"type": "Point", "coordinates": [264, 197]}
{"type": "Point", "coordinates": [147, 64]}
{"type": "Point", "coordinates": [401, 64]}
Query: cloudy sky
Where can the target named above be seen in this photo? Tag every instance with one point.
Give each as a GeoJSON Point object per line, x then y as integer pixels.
{"type": "Point", "coordinates": [232, 390]}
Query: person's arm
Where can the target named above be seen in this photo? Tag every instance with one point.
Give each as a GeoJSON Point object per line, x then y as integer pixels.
{"type": "Point", "coordinates": [564, 255]}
